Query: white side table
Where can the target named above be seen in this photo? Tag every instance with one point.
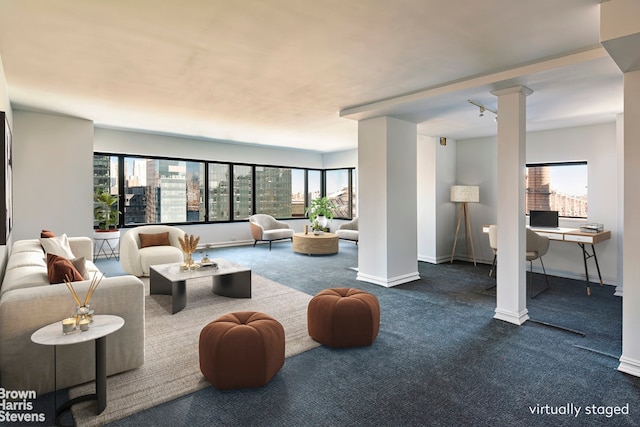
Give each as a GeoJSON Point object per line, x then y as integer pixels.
{"type": "Point", "coordinates": [106, 243]}
{"type": "Point", "coordinates": [103, 325]}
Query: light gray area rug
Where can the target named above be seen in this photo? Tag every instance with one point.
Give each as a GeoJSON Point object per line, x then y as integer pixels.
{"type": "Point", "coordinates": [171, 367]}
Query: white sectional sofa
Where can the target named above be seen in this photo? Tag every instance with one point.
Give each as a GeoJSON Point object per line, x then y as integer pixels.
{"type": "Point", "coordinates": [28, 302]}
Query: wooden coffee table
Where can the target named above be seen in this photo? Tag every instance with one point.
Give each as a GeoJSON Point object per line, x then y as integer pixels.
{"type": "Point", "coordinates": [311, 244]}
{"type": "Point", "coordinates": [228, 280]}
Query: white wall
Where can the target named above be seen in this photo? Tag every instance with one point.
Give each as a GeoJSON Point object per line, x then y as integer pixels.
{"type": "Point", "coordinates": [436, 169]}
{"type": "Point", "coordinates": [145, 144]}
{"type": "Point", "coordinates": [52, 175]}
{"type": "Point", "coordinates": [476, 164]}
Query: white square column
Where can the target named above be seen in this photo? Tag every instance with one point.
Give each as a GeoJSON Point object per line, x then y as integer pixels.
{"type": "Point", "coordinates": [511, 303]}
{"type": "Point", "coordinates": [387, 198]}
{"type": "Point", "coordinates": [620, 36]}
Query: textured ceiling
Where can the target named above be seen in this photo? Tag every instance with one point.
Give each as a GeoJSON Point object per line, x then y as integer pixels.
{"type": "Point", "coordinates": [289, 73]}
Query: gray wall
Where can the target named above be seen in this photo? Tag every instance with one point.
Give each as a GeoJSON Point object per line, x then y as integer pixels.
{"type": "Point", "coordinates": [53, 175]}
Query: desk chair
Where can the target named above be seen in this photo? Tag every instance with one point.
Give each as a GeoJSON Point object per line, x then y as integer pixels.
{"type": "Point", "coordinates": [537, 246]}
{"type": "Point", "coordinates": [493, 243]}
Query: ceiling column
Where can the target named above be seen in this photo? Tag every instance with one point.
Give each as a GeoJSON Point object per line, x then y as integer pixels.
{"type": "Point", "coordinates": [387, 201]}
{"type": "Point", "coordinates": [511, 303]}
{"type": "Point", "coordinates": [620, 36]}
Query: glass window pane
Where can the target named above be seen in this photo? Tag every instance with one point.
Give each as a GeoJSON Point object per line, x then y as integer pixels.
{"type": "Point", "coordinates": [337, 186]}
{"type": "Point", "coordinates": [314, 185]}
{"type": "Point", "coordinates": [297, 193]}
{"type": "Point", "coordinates": [218, 192]}
{"type": "Point", "coordinates": [135, 190]}
{"type": "Point", "coordinates": [558, 187]}
{"type": "Point", "coordinates": [195, 192]}
{"type": "Point", "coordinates": [105, 178]}
{"type": "Point", "coordinates": [273, 191]}
{"type": "Point", "coordinates": [242, 196]}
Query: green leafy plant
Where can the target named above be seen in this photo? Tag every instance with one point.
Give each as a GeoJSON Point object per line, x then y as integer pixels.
{"type": "Point", "coordinates": [106, 212]}
{"type": "Point", "coordinates": [320, 207]}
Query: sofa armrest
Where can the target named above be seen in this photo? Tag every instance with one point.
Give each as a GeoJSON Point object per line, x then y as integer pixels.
{"type": "Point", "coordinates": [25, 365]}
{"type": "Point", "coordinates": [82, 246]}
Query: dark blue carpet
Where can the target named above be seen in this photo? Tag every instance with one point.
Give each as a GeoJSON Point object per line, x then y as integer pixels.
{"type": "Point", "coordinates": [440, 358]}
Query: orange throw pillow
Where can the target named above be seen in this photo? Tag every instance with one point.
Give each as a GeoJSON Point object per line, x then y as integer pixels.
{"type": "Point", "coordinates": [45, 234]}
{"type": "Point", "coordinates": [156, 239]}
{"type": "Point", "coordinates": [58, 268]}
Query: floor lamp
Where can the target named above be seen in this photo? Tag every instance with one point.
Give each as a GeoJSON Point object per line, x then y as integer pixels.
{"type": "Point", "coordinates": [464, 194]}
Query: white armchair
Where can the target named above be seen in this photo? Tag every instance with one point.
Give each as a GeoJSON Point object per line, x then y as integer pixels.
{"type": "Point", "coordinates": [265, 228]}
{"type": "Point", "coordinates": [349, 230]}
{"type": "Point", "coordinates": [137, 254]}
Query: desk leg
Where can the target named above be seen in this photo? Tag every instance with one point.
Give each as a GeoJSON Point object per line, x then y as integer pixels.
{"type": "Point", "coordinates": [586, 255]}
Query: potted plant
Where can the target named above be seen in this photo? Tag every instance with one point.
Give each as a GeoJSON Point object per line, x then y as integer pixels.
{"type": "Point", "coordinates": [320, 211]}
{"type": "Point", "coordinates": [106, 212]}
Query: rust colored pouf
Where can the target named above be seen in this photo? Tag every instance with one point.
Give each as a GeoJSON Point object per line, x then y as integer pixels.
{"type": "Point", "coordinates": [241, 349]}
{"type": "Point", "coordinates": [343, 317]}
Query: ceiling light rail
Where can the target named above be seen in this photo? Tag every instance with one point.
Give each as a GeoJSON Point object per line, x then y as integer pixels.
{"type": "Point", "coordinates": [483, 108]}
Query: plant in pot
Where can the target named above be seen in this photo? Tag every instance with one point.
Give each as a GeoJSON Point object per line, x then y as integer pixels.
{"type": "Point", "coordinates": [105, 212]}
{"type": "Point", "coordinates": [320, 212]}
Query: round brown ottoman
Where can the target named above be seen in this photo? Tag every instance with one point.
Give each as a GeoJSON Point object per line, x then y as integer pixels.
{"type": "Point", "coordinates": [343, 317]}
{"type": "Point", "coordinates": [241, 349]}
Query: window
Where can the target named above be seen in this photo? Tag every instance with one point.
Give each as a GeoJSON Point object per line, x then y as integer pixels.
{"type": "Point", "coordinates": [558, 187]}
{"type": "Point", "coordinates": [163, 191]}
{"type": "Point", "coordinates": [337, 190]}
{"type": "Point", "coordinates": [219, 192]}
{"type": "Point", "coordinates": [105, 175]}
{"type": "Point", "coordinates": [273, 191]}
{"type": "Point", "coordinates": [175, 191]}
{"type": "Point", "coordinates": [242, 195]}
{"type": "Point", "coordinates": [297, 193]}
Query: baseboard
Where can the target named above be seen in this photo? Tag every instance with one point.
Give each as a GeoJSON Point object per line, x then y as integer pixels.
{"type": "Point", "coordinates": [388, 282]}
{"type": "Point", "coordinates": [629, 366]}
{"type": "Point", "coordinates": [512, 316]}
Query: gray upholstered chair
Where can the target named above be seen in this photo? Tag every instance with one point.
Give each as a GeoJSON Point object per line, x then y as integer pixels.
{"type": "Point", "coordinates": [138, 254]}
{"type": "Point", "coordinates": [349, 230]}
{"type": "Point", "coordinates": [537, 246]}
{"type": "Point", "coordinates": [265, 228]}
{"type": "Point", "coordinates": [493, 243]}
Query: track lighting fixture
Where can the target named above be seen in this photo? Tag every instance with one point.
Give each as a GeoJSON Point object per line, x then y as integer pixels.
{"type": "Point", "coordinates": [483, 108]}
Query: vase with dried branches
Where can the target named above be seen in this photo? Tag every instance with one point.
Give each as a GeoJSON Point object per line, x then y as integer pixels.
{"type": "Point", "coordinates": [189, 244]}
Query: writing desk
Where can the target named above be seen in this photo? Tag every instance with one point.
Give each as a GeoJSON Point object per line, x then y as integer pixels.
{"type": "Point", "coordinates": [574, 235]}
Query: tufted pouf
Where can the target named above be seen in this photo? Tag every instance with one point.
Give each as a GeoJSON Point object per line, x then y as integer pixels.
{"type": "Point", "coordinates": [241, 349]}
{"type": "Point", "coordinates": [343, 317]}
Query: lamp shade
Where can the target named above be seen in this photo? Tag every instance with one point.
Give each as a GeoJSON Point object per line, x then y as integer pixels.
{"type": "Point", "coordinates": [465, 193]}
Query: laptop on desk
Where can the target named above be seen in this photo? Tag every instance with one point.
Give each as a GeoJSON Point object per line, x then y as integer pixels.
{"type": "Point", "coordinates": [543, 219]}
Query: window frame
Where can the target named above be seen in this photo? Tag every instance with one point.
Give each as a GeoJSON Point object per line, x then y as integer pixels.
{"type": "Point", "coordinates": [558, 164]}
{"type": "Point", "coordinates": [231, 195]}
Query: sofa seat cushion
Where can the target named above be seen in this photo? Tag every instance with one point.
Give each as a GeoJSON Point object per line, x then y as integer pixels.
{"type": "Point", "coordinates": [347, 234]}
{"type": "Point", "coordinates": [24, 277]}
{"type": "Point", "coordinates": [277, 234]}
{"type": "Point", "coordinates": [154, 255]}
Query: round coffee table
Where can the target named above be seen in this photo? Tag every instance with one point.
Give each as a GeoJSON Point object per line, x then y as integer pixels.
{"type": "Point", "coordinates": [311, 244]}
